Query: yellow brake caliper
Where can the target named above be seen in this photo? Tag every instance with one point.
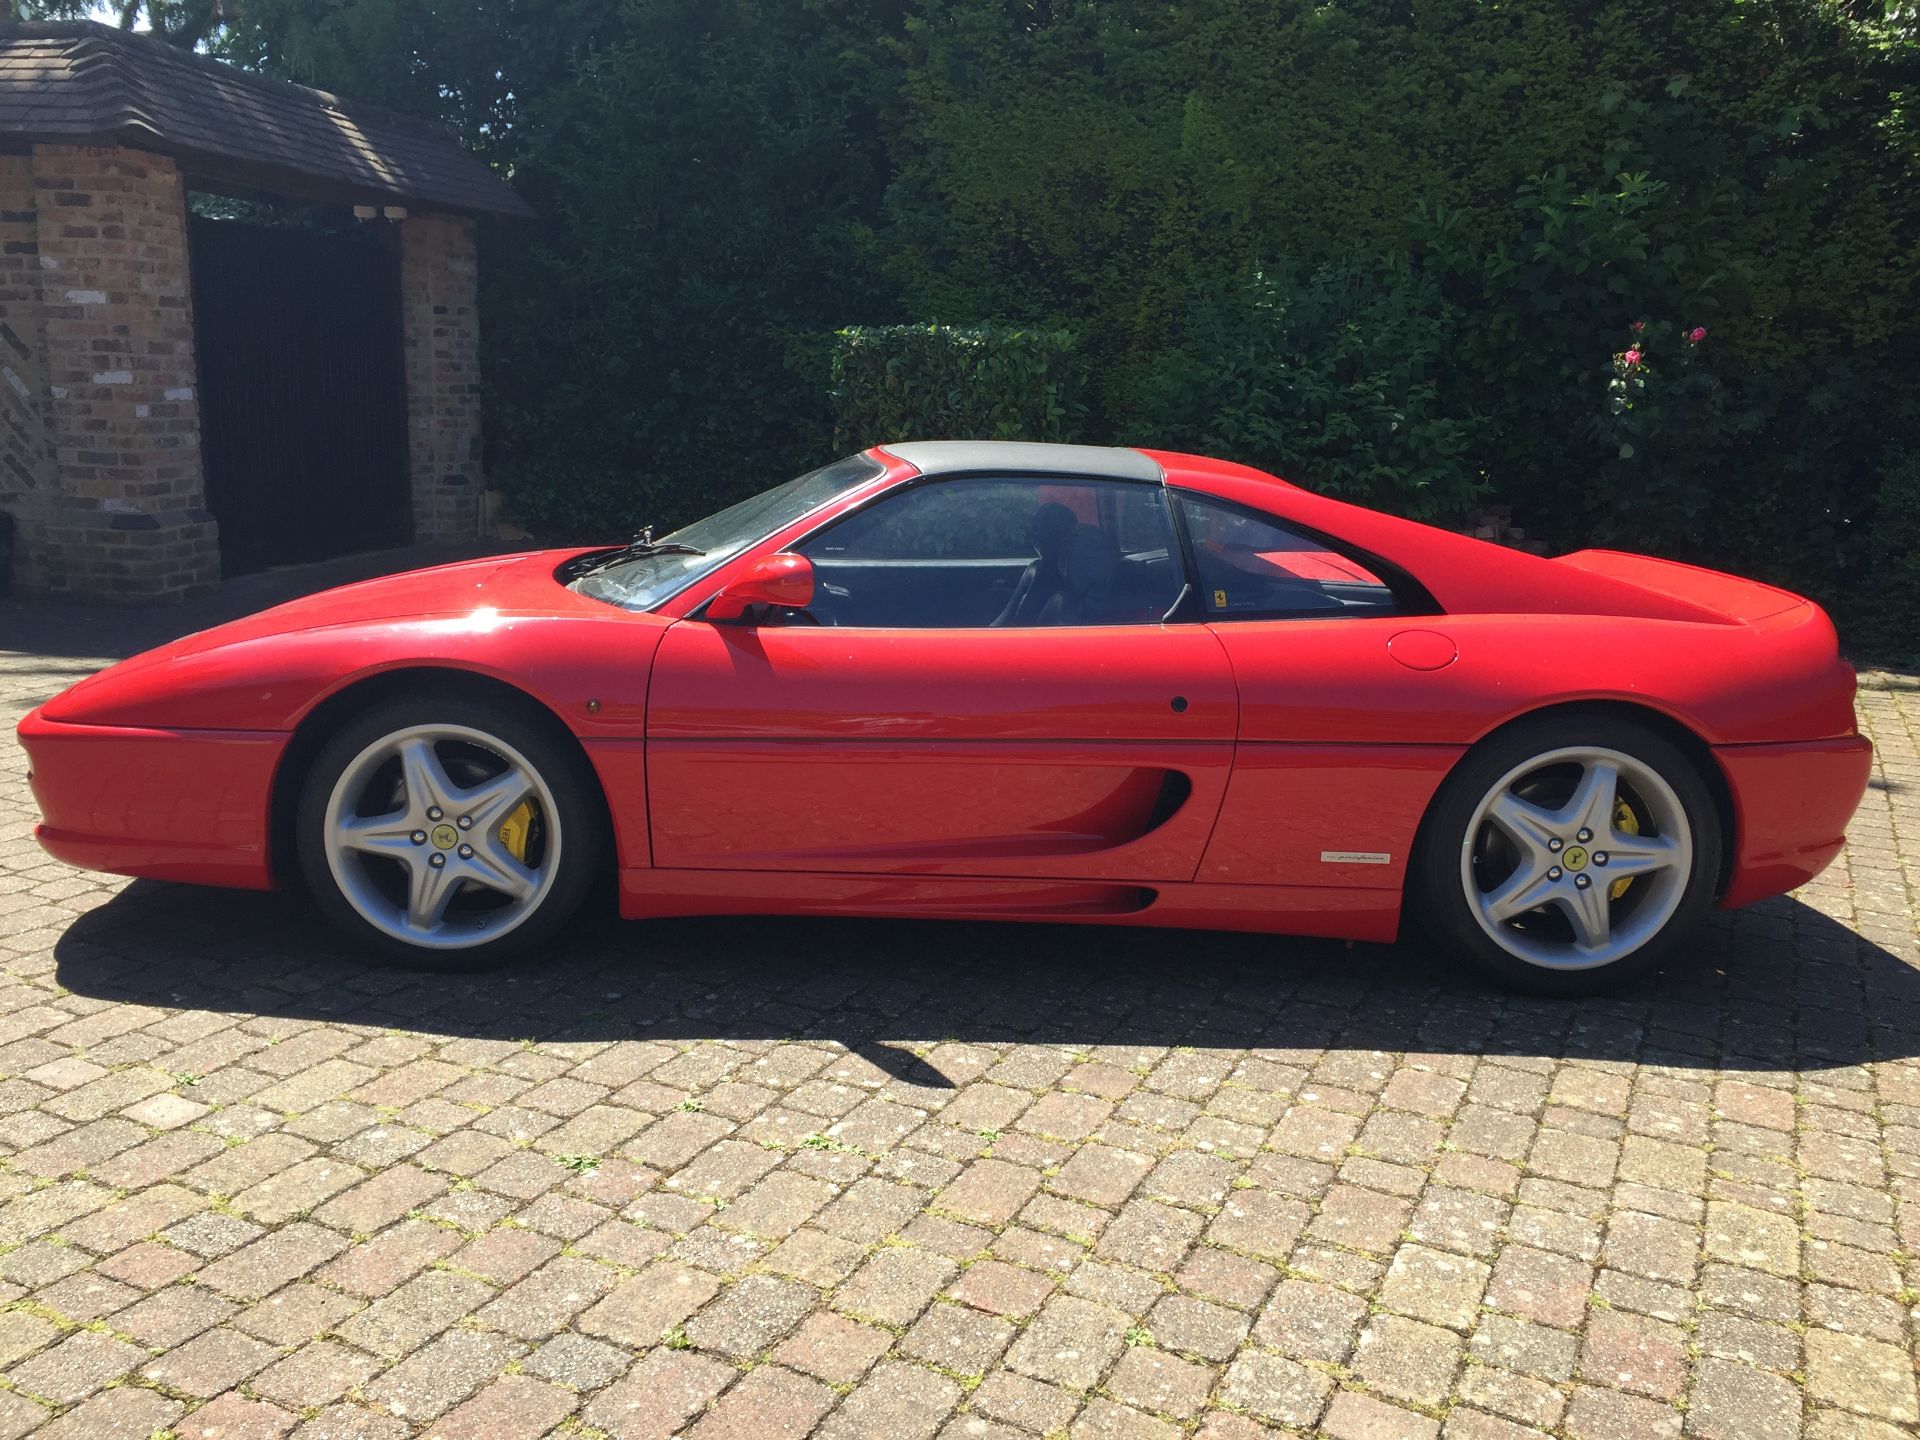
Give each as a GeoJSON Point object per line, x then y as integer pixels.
{"type": "Point", "coordinates": [1627, 823]}
{"type": "Point", "coordinates": [517, 827]}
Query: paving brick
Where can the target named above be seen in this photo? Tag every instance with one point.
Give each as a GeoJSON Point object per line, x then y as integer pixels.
{"type": "Point", "coordinates": [1408, 1360]}
{"type": "Point", "coordinates": [76, 1367]}
{"type": "Point", "coordinates": [1635, 1354]}
{"type": "Point", "coordinates": [1259, 1223]}
{"type": "Point", "coordinates": [1524, 1347]}
{"type": "Point", "coordinates": [396, 1325]}
{"type": "Point", "coordinates": [543, 1303]}
{"type": "Point", "coordinates": [1595, 1414]}
{"type": "Point", "coordinates": [1002, 1289]}
{"type": "Point", "coordinates": [1311, 1321]}
{"type": "Point", "coordinates": [505, 1255]}
{"type": "Point", "coordinates": [1362, 1417]}
{"type": "Point", "coordinates": [1741, 1235]}
{"type": "Point", "coordinates": [1736, 1402]}
{"type": "Point", "coordinates": [1150, 1235]}
{"type": "Point", "coordinates": [1861, 1375]}
{"type": "Point", "coordinates": [433, 1379]}
{"type": "Point", "coordinates": [576, 1362]}
{"type": "Point", "coordinates": [390, 1259]}
{"type": "Point", "coordinates": [297, 1314]}
{"type": "Point", "coordinates": [1028, 1405]}
{"type": "Point", "coordinates": [833, 1348]}
{"type": "Point", "coordinates": [262, 1266]}
{"type": "Point", "coordinates": [128, 1413]}
{"type": "Point", "coordinates": [895, 1285]}
{"type": "Point", "coordinates": [316, 1374]}
{"type": "Point", "coordinates": [216, 1361]}
{"type": "Point", "coordinates": [1199, 1327]}
{"type": "Point", "coordinates": [1435, 1286]}
{"type": "Point", "coordinates": [769, 1404]}
{"type": "Point", "coordinates": [1070, 1343]}
{"type": "Point", "coordinates": [234, 1417]}
{"type": "Point", "coordinates": [171, 1316]}
{"type": "Point", "coordinates": [989, 1192]}
{"type": "Point", "coordinates": [1540, 1286]}
{"type": "Point", "coordinates": [645, 1307]}
{"type": "Point", "coordinates": [1153, 1380]}
{"type": "Point", "coordinates": [1276, 1388]}
{"type": "Point", "coordinates": [514, 1407]}
{"type": "Point", "coordinates": [895, 1400]}
{"type": "Point", "coordinates": [752, 1315]}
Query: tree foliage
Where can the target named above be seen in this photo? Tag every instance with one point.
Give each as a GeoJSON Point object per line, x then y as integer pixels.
{"type": "Point", "coordinates": [1331, 374]}
{"type": "Point", "coordinates": [983, 382]}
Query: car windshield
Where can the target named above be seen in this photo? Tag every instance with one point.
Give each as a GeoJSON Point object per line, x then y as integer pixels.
{"type": "Point", "coordinates": [644, 580]}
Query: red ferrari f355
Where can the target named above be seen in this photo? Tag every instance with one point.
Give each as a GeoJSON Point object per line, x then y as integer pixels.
{"type": "Point", "coordinates": [994, 681]}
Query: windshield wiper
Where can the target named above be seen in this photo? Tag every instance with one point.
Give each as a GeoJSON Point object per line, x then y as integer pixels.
{"type": "Point", "coordinates": [639, 548]}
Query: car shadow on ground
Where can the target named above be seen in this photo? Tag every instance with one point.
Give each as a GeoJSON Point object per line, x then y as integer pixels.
{"type": "Point", "coordinates": [1779, 986]}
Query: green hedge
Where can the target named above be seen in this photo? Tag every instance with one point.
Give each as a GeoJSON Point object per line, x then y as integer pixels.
{"type": "Point", "coordinates": [718, 179]}
{"type": "Point", "coordinates": [1329, 376]}
{"type": "Point", "coordinates": [1890, 625]}
{"type": "Point", "coordinates": [940, 382]}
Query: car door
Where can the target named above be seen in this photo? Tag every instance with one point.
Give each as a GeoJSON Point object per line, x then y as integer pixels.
{"type": "Point", "coordinates": [1342, 716]}
{"type": "Point", "coordinates": [1021, 710]}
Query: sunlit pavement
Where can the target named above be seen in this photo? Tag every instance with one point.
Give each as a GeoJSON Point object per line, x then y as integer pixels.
{"type": "Point", "coordinates": [770, 1178]}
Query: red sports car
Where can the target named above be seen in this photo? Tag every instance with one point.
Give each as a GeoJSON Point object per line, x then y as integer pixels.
{"type": "Point", "coordinates": [1034, 682]}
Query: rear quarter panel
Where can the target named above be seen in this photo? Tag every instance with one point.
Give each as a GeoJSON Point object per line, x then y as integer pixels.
{"type": "Point", "coordinates": [1342, 747]}
{"type": "Point", "coordinates": [1335, 681]}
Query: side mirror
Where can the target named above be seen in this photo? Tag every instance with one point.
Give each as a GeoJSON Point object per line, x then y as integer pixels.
{"type": "Point", "coordinates": [782, 580]}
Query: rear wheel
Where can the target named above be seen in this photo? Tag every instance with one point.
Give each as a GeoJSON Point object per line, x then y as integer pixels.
{"type": "Point", "coordinates": [1570, 853]}
{"type": "Point", "coordinates": [448, 833]}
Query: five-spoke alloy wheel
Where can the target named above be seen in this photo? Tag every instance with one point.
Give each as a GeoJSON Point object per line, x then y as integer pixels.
{"type": "Point", "coordinates": [1569, 853]}
{"type": "Point", "coordinates": [449, 844]}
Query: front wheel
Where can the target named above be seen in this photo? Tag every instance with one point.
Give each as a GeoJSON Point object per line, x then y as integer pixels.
{"type": "Point", "coordinates": [1569, 854]}
{"type": "Point", "coordinates": [448, 832]}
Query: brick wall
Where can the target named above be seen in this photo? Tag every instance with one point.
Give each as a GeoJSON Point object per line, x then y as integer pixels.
{"type": "Point", "coordinates": [120, 511]}
{"type": "Point", "coordinates": [440, 325]}
{"type": "Point", "coordinates": [99, 418]}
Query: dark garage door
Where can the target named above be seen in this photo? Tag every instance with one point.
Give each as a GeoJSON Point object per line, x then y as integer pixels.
{"type": "Point", "coordinates": [302, 390]}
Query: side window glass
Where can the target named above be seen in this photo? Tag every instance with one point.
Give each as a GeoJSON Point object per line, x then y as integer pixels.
{"type": "Point", "coordinates": [999, 552]}
{"type": "Point", "coordinates": [1253, 565]}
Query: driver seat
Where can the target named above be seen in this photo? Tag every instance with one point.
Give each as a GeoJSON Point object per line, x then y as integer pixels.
{"type": "Point", "coordinates": [1050, 531]}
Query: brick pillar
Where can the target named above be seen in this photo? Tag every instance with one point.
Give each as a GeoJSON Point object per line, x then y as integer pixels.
{"type": "Point", "coordinates": [122, 512]}
{"type": "Point", "coordinates": [440, 325]}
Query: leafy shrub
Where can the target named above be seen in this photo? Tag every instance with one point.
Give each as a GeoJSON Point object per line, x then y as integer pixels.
{"type": "Point", "coordinates": [937, 382]}
{"type": "Point", "coordinates": [714, 177]}
{"type": "Point", "coordinates": [563, 504]}
{"type": "Point", "coordinates": [700, 171]}
{"type": "Point", "coordinates": [1890, 623]}
{"type": "Point", "coordinates": [1328, 377]}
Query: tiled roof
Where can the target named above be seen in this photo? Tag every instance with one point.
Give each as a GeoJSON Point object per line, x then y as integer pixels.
{"type": "Point", "coordinates": [78, 82]}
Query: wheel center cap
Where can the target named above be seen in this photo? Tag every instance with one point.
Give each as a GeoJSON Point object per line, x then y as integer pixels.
{"type": "Point", "coordinates": [1574, 859]}
{"type": "Point", "coordinates": [445, 837]}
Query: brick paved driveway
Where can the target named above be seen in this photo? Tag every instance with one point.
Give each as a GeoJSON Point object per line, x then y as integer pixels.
{"type": "Point", "coordinates": [770, 1178]}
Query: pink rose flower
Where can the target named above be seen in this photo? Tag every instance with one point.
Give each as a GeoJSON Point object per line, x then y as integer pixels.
{"type": "Point", "coordinates": [1632, 357]}
{"type": "Point", "coordinates": [1638, 326]}
{"type": "Point", "coordinates": [1697, 334]}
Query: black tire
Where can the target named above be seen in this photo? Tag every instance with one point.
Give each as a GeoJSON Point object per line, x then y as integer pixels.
{"type": "Point", "coordinates": [1438, 894]}
{"type": "Point", "coordinates": [577, 799]}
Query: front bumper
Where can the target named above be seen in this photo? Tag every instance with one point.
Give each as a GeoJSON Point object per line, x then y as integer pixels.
{"type": "Point", "coordinates": [186, 805]}
{"type": "Point", "coordinates": [1791, 805]}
